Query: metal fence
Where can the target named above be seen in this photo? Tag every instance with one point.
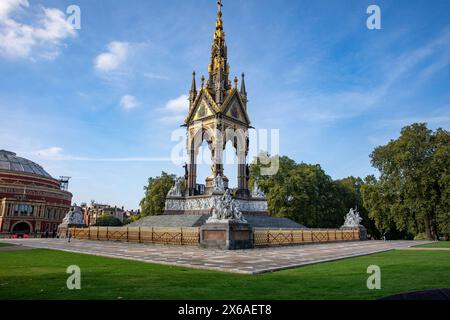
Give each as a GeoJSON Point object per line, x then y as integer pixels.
{"type": "Point", "coordinates": [265, 237]}
{"type": "Point", "coordinates": [191, 236]}
{"type": "Point", "coordinates": [180, 236]}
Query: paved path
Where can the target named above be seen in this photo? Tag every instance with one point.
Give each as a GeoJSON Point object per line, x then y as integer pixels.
{"type": "Point", "coordinates": [241, 261]}
{"type": "Point", "coordinates": [14, 248]}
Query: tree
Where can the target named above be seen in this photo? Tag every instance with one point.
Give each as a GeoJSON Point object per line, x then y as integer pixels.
{"type": "Point", "coordinates": [108, 221]}
{"type": "Point", "coordinates": [155, 194]}
{"type": "Point", "coordinates": [306, 194]}
{"type": "Point", "coordinates": [132, 219]}
{"type": "Point", "coordinates": [411, 194]}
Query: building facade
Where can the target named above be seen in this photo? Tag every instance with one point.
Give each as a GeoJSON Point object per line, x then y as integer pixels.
{"type": "Point", "coordinates": [94, 210]}
{"type": "Point", "coordinates": [31, 201]}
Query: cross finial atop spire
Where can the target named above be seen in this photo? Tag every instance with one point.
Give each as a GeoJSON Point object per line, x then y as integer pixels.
{"type": "Point", "coordinates": [219, 6]}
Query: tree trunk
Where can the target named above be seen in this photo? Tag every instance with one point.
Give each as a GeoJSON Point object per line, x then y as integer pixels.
{"type": "Point", "coordinates": [428, 229]}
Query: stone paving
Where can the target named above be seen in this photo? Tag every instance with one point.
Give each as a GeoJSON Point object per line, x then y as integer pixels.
{"type": "Point", "coordinates": [252, 261]}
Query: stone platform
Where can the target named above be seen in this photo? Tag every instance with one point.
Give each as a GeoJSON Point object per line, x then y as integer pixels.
{"type": "Point", "coordinates": [252, 261]}
{"type": "Point", "coordinates": [177, 221]}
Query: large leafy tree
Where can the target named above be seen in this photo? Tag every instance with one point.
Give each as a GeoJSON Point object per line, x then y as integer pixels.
{"type": "Point", "coordinates": [411, 194]}
{"type": "Point", "coordinates": [305, 193]}
{"type": "Point", "coordinates": [441, 160]}
{"type": "Point", "coordinates": [155, 194]}
{"type": "Point", "coordinates": [108, 221]}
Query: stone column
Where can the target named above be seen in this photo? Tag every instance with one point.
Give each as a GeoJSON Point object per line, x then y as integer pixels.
{"type": "Point", "coordinates": [241, 171]}
{"type": "Point", "coordinates": [241, 152]}
{"type": "Point", "coordinates": [192, 172]}
{"type": "Point", "coordinates": [217, 155]}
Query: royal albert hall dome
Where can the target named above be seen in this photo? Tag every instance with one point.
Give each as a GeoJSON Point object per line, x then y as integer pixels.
{"type": "Point", "coordinates": [11, 162]}
{"type": "Point", "coordinates": [31, 201]}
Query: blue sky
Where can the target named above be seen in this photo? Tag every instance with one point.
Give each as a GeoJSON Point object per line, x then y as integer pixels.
{"type": "Point", "coordinates": [100, 104]}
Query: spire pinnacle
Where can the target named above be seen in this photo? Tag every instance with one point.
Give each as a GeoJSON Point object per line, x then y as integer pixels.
{"type": "Point", "coordinates": [193, 92]}
{"type": "Point", "coordinates": [243, 89]}
{"type": "Point", "coordinates": [219, 9]}
{"type": "Point", "coordinates": [194, 85]}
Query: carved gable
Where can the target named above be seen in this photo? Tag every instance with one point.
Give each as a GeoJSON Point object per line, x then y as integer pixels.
{"type": "Point", "coordinates": [204, 107]}
{"type": "Point", "coordinates": [233, 108]}
{"type": "Point", "coordinates": [203, 111]}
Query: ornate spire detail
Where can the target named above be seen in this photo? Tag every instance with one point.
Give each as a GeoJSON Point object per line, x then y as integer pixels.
{"type": "Point", "coordinates": [243, 90]}
{"type": "Point", "coordinates": [193, 92]}
{"type": "Point", "coordinates": [218, 68]}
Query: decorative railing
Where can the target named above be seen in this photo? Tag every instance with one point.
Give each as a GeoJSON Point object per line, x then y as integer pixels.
{"type": "Point", "coordinates": [265, 237]}
{"type": "Point", "coordinates": [180, 236]}
{"type": "Point", "coordinates": [191, 236]}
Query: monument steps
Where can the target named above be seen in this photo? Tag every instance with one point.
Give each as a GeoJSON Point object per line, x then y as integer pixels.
{"type": "Point", "coordinates": [177, 221]}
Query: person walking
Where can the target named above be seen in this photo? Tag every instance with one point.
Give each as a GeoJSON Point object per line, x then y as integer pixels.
{"type": "Point", "coordinates": [69, 236]}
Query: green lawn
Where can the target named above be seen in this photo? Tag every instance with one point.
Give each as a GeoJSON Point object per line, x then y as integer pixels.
{"type": "Point", "coordinates": [440, 244]}
{"type": "Point", "coordinates": [41, 274]}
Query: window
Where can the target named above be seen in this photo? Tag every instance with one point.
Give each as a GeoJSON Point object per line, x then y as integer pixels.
{"type": "Point", "coordinates": [31, 210]}
{"type": "Point", "coordinates": [16, 210]}
{"type": "Point", "coordinates": [23, 209]}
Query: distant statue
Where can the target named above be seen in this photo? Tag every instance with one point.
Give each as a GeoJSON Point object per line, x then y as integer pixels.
{"type": "Point", "coordinates": [352, 219]}
{"type": "Point", "coordinates": [175, 191]}
{"type": "Point", "coordinates": [74, 217]}
{"type": "Point", "coordinates": [218, 184]}
{"type": "Point", "coordinates": [257, 192]}
{"type": "Point", "coordinates": [226, 209]}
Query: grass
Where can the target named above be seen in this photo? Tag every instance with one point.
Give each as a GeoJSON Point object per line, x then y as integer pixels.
{"type": "Point", "coordinates": [440, 244]}
{"type": "Point", "coordinates": [41, 274]}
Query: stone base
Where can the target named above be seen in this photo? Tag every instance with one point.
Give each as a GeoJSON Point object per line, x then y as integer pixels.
{"type": "Point", "coordinates": [199, 205]}
{"type": "Point", "coordinates": [362, 231]}
{"type": "Point", "coordinates": [226, 236]}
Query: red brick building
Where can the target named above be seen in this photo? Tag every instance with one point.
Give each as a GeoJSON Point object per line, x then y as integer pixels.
{"type": "Point", "coordinates": [31, 201]}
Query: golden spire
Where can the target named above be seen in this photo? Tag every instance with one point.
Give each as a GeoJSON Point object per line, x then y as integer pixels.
{"type": "Point", "coordinates": [218, 68]}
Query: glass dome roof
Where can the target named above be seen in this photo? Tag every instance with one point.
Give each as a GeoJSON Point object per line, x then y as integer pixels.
{"type": "Point", "coordinates": [10, 161]}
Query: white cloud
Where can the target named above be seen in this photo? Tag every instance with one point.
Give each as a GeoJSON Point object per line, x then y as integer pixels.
{"type": "Point", "coordinates": [177, 109]}
{"type": "Point", "coordinates": [42, 39]}
{"type": "Point", "coordinates": [7, 6]}
{"type": "Point", "coordinates": [179, 104]}
{"type": "Point", "coordinates": [129, 102]}
{"type": "Point", "coordinates": [114, 58]}
{"type": "Point", "coordinates": [51, 152]}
